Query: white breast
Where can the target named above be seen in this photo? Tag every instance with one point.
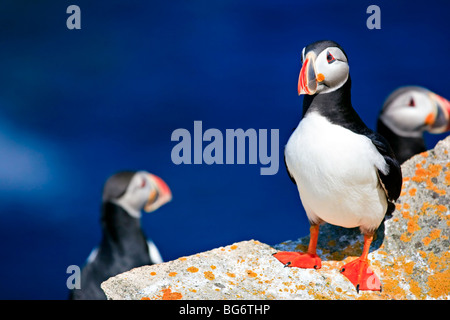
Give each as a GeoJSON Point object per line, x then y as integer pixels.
{"type": "Point", "coordinates": [336, 174]}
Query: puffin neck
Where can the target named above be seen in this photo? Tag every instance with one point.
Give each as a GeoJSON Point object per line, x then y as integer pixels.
{"type": "Point", "coordinates": [336, 106]}
{"type": "Point", "coordinates": [321, 102]}
{"type": "Point", "coordinates": [117, 224]}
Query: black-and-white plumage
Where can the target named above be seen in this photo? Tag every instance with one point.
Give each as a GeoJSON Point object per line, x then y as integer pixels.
{"type": "Point", "coordinates": [406, 114]}
{"type": "Point", "coordinates": [346, 174]}
{"type": "Point", "coordinates": [123, 245]}
{"type": "Point", "coordinates": [332, 146]}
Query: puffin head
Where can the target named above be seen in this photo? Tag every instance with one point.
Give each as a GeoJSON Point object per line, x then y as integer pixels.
{"type": "Point", "coordinates": [409, 111]}
{"type": "Point", "coordinates": [136, 190]}
{"type": "Point", "coordinates": [325, 68]}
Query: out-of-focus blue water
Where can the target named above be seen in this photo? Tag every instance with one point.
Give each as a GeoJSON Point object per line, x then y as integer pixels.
{"type": "Point", "coordinates": [79, 105]}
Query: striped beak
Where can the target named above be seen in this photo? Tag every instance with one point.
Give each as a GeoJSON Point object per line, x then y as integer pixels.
{"type": "Point", "coordinates": [159, 195]}
{"type": "Point", "coordinates": [307, 80]}
{"type": "Point", "coordinates": [439, 121]}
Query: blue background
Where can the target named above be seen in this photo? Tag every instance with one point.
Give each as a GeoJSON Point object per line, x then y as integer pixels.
{"type": "Point", "coordinates": [78, 105]}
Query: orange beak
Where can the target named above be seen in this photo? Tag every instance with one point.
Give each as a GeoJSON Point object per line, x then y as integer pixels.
{"type": "Point", "coordinates": [159, 196]}
{"type": "Point", "coordinates": [439, 122]}
{"type": "Point", "coordinates": [307, 80]}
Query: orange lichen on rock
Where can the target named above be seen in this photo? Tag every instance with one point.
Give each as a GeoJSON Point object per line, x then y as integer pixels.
{"type": "Point", "coordinates": [232, 275]}
{"type": "Point", "coordinates": [405, 214]}
{"type": "Point", "coordinates": [192, 269]}
{"type": "Point", "coordinates": [169, 295]}
{"type": "Point", "coordinates": [426, 175]}
{"type": "Point", "coordinates": [415, 289]}
{"type": "Point", "coordinates": [426, 241]}
{"type": "Point", "coordinates": [425, 206]}
{"type": "Point", "coordinates": [434, 169]}
{"type": "Point", "coordinates": [432, 186]}
{"type": "Point", "coordinates": [433, 209]}
{"type": "Point", "coordinates": [422, 174]}
{"type": "Point", "coordinates": [145, 298]}
{"type": "Point", "coordinates": [424, 154]}
{"type": "Point", "coordinates": [172, 274]}
{"type": "Point", "coordinates": [437, 263]}
{"type": "Point", "coordinates": [233, 247]}
{"type": "Point", "coordinates": [408, 267]}
{"type": "Point", "coordinates": [439, 284]}
{"type": "Point", "coordinates": [391, 287]}
{"type": "Point", "coordinates": [447, 178]}
{"type": "Point", "coordinates": [398, 280]}
{"type": "Point", "coordinates": [251, 274]}
{"type": "Point", "coordinates": [412, 192]}
{"type": "Point", "coordinates": [153, 273]}
{"type": "Point", "coordinates": [209, 275]}
{"type": "Point", "coordinates": [441, 208]}
{"type": "Point", "coordinates": [433, 235]}
{"type": "Point", "coordinates": [413, 225]}
{"type": "Point", "coordinates": [405, 238]}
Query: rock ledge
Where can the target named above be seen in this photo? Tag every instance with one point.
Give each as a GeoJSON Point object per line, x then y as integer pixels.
{"type": "Point", "coordinates": [410, 255]}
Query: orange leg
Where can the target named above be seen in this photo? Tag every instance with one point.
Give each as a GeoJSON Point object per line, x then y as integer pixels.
{"type": "Point", "coordinates": [307, 260]}
{"type": "Point", "coordinates": [359, 272]}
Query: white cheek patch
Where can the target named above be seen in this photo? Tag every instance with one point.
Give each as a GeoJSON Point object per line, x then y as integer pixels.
{"type": "Point", "coordinates": [135, 197]}
{"type": "Point", "coordinates": [405, 120]}
{"type": "Point", "coordinates": [335, 74]}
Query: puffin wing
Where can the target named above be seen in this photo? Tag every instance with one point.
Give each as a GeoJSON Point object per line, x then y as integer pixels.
{"type": "Point", "coordinates": [392, 180]}
{"type": "Point", "coordinates": [153, 252]}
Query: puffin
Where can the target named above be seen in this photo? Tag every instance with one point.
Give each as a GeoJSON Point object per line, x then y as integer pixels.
{"type": "Point", "coordinates": [406, 114]}
{"type": "Point", "coordinates": [123, 245]}
{"type": "Point", "coordinates": [346, 174]}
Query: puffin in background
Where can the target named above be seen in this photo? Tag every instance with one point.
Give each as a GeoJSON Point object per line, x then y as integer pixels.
{"type": "Point", "coordinates": [346, 174]}
{"type": "Point", "coordinates": [406, 114]}
{"type": "Point", "coordinates": [123, 245]}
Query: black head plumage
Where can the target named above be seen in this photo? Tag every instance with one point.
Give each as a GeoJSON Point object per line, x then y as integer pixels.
{"type": "Point", "coordinates": [117, 185]}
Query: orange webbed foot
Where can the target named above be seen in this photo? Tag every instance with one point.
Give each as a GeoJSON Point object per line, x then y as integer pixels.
{"type": "Point", "coordinates": [299, 259]}
{"type": "Point", "coordinates": [361, 275]}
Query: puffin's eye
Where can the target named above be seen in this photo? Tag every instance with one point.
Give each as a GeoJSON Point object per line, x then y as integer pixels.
{"type": "Point", "coordinates": [330, 57]}
{"type": "Point", "coordinates": [411, 103]}
{"type": "Point", "coordinates": [143, 183]}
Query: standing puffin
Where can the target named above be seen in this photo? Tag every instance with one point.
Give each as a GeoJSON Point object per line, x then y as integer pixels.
{"type": "Point", "coordinates": [346, 174]}
{"type": "Point", "coordinates": [406, 114]}
{"type": "Point", "coordinates": [123, 245]}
